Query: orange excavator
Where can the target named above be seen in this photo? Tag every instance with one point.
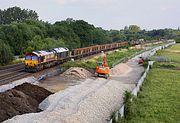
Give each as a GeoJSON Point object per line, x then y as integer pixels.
{"type": "Point", "coordinates": [102, 69]}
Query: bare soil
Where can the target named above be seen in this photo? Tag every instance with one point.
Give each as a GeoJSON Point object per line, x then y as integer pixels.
{"type": "Point", "coordinates": [70, 77]}
{"type": "Point", "coordinates": [22, 99]}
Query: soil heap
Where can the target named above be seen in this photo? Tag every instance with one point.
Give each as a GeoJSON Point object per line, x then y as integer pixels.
{"type": "Point", "coordinates": [76, 73]}
{"type": "Point", "coordinates": [22, 99]}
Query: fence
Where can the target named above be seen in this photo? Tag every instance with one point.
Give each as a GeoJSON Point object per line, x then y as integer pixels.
{"type": "Point", "coordinates": [120, 112]}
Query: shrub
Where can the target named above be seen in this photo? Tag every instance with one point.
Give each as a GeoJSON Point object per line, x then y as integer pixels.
{"type": "Point", "coordinates": [6, 55]}
{"type": "Point", "coordinates": [127, 104]}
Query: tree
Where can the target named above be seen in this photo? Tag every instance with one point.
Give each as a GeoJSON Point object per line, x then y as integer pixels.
{"type": "Point", "coordinates": [99, 36]}
{"type": "Point", "coordinates": [6, 55]}
{"type": "Point", "coordinates": [16, 14]}
{"type": "Point", "coordinates": [35, 44]}
{"type": "Point", "coordinates": [134, 28]}
{"type": "Point", "coordinates": [62, 30]}
{"type": "Point", "coordinates": [84, 31]}
{"type": "Point", "coordinates": [177, 39]}
{"type": "Point", "coordinates": [16, 35]}
{"type": "Point", "coordinates": [126, 28]}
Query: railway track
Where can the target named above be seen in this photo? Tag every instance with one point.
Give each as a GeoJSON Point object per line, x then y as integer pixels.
{"type": "Point", "coordinates": [14, 72]}
{"type": "Point", "coordinates": [11, 73]}
{"type": "Point", "coordinates": [11, 66]}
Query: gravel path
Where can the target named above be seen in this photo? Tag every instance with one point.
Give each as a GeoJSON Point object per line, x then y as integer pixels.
{"type": "Point", "coordinates": [92, 101]}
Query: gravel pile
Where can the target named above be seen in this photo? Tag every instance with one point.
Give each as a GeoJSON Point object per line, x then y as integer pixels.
{"type": "Point", "coordinates": [120, 69]}
{"type": "Point", "coordinates": [98, 106]}
{"type": "Point", "coordinates": [76, 73]}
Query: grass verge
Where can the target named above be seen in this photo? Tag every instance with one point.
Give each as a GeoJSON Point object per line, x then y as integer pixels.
{"type": "Point", "coordinates": [111, 59]}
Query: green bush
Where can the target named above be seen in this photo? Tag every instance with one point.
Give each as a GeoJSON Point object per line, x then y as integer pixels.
{"type": "Point", "coordinates": [177, 40]}
{"type": "Point", "coordinates": [127, 104]}
{"type": "Point", "coordinates": [6, 55]}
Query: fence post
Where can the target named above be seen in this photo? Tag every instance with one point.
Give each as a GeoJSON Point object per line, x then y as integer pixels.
{"type": "Point", "coordinates": [121, 111]}
{"type": "Point", "coordinates": [110, 121]}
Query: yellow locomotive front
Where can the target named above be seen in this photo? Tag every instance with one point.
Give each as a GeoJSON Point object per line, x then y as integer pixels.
{"type": "Point", "coordinates": [39, 60]}
{"type": "Point", "coordinates": [31, 61]}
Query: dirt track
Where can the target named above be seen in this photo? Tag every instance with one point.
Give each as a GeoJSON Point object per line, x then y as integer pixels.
{"type": "Point", "coordinates": [70, 77]}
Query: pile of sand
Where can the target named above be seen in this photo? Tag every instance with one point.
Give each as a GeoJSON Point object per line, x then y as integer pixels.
{"type": "Point", "coordinates": [76, 73]}
{"type": "Point", "coordinates": [120, 69]}
{"type": "Point", "coordinates": [22, 99]}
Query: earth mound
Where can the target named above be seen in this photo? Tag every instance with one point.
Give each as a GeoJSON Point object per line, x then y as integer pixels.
{"type": "Point", "coordinates": [76, 73]}
{"type": "Point", "coordinates": [22, 99]}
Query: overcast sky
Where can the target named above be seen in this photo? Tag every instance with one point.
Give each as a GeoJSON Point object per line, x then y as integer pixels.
{"type": "Point", "coordinates": [108, 14]}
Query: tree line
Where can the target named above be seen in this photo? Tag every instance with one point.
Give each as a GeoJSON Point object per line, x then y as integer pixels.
{"type": "Point", "coordinates": [21, 31]}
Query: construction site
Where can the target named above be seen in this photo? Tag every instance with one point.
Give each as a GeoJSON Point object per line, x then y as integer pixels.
{"type": "Point", "coordinates": [73, 96]}
{"type": "Point", "coordinates": [89, 61]}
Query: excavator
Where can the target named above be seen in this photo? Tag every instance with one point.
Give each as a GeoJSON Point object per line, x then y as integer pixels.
{"type": "Point", "coordinates": [102, 69]}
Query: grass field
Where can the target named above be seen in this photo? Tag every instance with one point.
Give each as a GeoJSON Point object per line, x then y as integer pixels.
{"type": "Point", "coordinates": [111, 59]}
{"type": "Point", "coordinates": [159, 98]}
{"type": "Point", "coordinates": [172, 53]}
{"type": "Point", "coordinates": [175, 47]}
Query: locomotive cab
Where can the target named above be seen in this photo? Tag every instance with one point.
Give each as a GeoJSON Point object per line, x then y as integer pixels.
{"type": "Point", "coordinates": [31, 61]}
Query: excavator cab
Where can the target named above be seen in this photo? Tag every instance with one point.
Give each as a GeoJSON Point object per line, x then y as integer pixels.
{"type": "Point", "coordinates": [99, 63]}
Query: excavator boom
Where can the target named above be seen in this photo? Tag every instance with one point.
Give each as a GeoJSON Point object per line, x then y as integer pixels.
{"type": "Point", "coordinates": [104, 60]}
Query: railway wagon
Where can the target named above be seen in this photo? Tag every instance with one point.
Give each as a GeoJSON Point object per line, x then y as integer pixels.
{"type": "Point", "coordinates": [86, 51]}
{"type": "Point", "coordinates": [82, 52]}
{"type": "Point", "coordinates": [125, 43]}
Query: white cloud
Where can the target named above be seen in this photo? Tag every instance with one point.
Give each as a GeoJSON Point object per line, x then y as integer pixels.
{"type": "Point", "coordinates": [65, 2]}
{"type": "Point", "coordinates": [88, 2]}
{"type": "Point", "coordinates": [106, 13]}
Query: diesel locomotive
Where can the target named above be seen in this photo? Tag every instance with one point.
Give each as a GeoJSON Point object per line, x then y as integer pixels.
{"type": "Point", "coordinates": [39, 60]}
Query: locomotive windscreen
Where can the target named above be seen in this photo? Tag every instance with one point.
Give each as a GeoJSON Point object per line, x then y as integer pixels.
{"type": "Point", "coordinates": [28, 57]}
{"type": "Point", "coordinates": [34, 58]}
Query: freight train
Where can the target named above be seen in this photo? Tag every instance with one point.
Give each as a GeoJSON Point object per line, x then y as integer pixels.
{"type": "Point", "coordinates": [39, 60]}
